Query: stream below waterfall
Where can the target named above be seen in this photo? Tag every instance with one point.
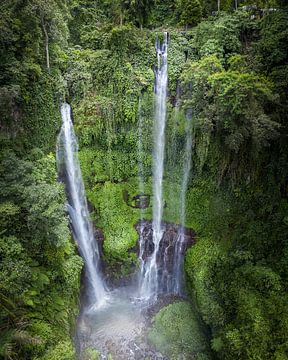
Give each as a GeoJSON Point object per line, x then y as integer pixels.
{"type": "Point", "coordinates": [119, 329]}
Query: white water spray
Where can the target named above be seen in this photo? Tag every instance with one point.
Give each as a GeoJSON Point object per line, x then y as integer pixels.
{"type": "Point", "coordinates": [141, 188]}
{"type": "Point", "coordinates": [150, 281]}
{"type": "Point", "coordinates": [67, 149]}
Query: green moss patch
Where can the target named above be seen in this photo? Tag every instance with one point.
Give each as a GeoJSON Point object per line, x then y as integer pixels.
{"type": "Point", "coordinates": [177, 333]}
{"type": "Point", "coordinates": [116, 216]}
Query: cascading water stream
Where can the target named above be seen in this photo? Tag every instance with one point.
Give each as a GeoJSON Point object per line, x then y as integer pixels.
{"type": "Point", "coordinates": [172, 169]}
{"type": "Point", "coordinates": [187, 163]}
{"type": "Point", "coordinates": [67, 159]}
{"type": "Point", "coordinates": [172, 149]}
{"type": "Point", "coordinates": [150, 284]}
{"type": "Point", "coordinates": [141, 187]}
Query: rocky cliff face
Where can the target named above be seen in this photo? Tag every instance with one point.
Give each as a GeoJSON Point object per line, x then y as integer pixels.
{"type": "Point", "coordinates": [170, 255]}
{"type": "Point", "coordinates": [169, 239]}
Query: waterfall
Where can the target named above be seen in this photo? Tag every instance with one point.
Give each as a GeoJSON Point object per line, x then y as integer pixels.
{"type": "Point", "coordinates": [187, 162]}
{"type": "Point", "coordinates": [67, 158]}
{"type": "Point", "coordinates": [172, 167]}
{"type": "Point", "coordinates": [141, 189]}
{"type": "Point", "coordinates": [150, 280]}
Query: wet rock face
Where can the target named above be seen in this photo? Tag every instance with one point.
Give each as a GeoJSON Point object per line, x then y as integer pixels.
{"type": "Point", "coordinates": [170, 257]}
{"type": "Point", "coordinates": [141, 201]}
{"type": "Point", "coordinates": [145, 231]}
{"type": "Point", "coordinates": [168, 242]}
{"type": "Point", "coordinates": [99, 236]}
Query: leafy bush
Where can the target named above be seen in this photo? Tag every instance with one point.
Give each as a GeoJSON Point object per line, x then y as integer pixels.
{"type": "Point", "coordinates": [62, 351]}
{"type": "Point", "coordinates": [231, 117]}
{"type": "Point", "coordinates": [176, 332]}
{"type": "Point", "coordinates": [117, 219]}
{"type": "Point", "coordinates": [91, 354]}
{"type": "Point", "coordinates": [189, 12]}
{"type": "Point", "coordinates": [39, 270]}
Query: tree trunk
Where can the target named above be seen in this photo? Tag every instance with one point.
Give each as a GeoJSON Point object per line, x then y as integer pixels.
{"type": "Point", "coordinates": [46, 45]}
{"type": "Point", "coordinates": [218, 5]}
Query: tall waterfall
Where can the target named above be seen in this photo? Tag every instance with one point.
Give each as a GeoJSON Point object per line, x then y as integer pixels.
{"type": "Point", "coordinates": [141, 187]}
{"type": "Point", "coordinates": [150, 280]}
{"type": "Point", "coordinates": [67, 158]}
{"type": "Point", "coordinates": [187, 162]}
{"type": "Point", "coordinates": [173, 168]}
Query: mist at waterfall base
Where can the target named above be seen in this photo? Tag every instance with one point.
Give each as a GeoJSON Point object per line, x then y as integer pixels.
{"type": "Point", "coordinates": [113, 321]}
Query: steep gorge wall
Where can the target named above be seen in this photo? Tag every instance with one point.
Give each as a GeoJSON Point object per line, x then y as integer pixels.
{"type": "Point", "coordinates": [106, 121]}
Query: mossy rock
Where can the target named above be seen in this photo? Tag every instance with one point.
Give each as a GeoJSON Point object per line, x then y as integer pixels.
{"type": "Point", "coordinates": [177, 333]}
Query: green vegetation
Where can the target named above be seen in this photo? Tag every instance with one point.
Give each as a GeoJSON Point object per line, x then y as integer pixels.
{"type": "Point", "coordinates": [117, 218]}
{"type": "Point", "coordinates": [190, 12]}
{"type": "Point", "coordinates": [99, 55]}
{"type": "Point", "coordinates": [238, 269]}
{"type": "Point", "coordinates": [39, 268]}
{"type": "Point", "coordinates": [39, 271]}
{"type": "Point", "coordinates": [110, 81]}
{"type": "Point", "coordinates": [176, 332]}
{"type": "Point", "coordinates": [91, 354]}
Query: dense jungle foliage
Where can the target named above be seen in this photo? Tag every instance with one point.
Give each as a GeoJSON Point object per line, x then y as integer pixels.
{"type": "Point", "coordinates": [229, 64]}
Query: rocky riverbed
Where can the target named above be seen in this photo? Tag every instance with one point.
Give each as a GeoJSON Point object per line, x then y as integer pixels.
{"type": "Point", "coordinates": [119, 329]}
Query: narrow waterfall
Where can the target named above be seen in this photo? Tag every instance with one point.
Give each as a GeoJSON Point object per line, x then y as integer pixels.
{"type": "Point", "coordinates": [150, 281]}
{"type": "Point", "coordinates": [172, 149]}
{"type": "Point", "coordinates": [141, 189]}
{"type": "Point", "coordinates": [187, 162]}
{"type": "Point", "coordinates": [140, 149]}
{"type": "Point", "coordinates": [171, 168]}
{"type": "Point", "coordinates": [67, 158]}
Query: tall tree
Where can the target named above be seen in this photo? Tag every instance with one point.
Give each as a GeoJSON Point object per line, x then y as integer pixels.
{"type": "Point", "coordinates": [190, 12]}
{"type": "Point", "coordinates": [52, 19]}
{"type": "Point", "coordinates": [140, 10]}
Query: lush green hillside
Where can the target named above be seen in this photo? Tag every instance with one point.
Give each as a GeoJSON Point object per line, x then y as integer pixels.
{"type": "Point", "coordinates": [99, 55]}
{"type": "Point", "coordinates": [39, 267]}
